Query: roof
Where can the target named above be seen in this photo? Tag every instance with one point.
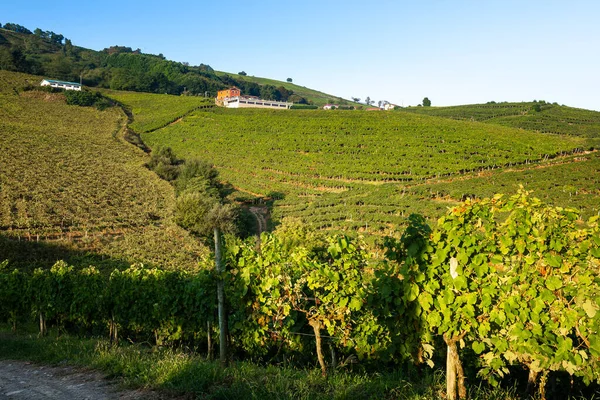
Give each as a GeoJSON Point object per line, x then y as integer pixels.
{"type": "Point", "coordinates": [62, 82]}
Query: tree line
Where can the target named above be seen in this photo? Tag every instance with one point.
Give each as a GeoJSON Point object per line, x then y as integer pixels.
{"type": "Point", "coordinates": [118, 67]}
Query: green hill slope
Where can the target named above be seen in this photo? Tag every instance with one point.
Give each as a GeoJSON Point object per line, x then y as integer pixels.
{"type": "Point", "coordinates": [359, 171]}
{"type": "Point", "coordinates": [123, 68]}
{"type": "Point", "coordinates": [70, 187]}
{"type": "Point", "coordinates": [539, 116]}
{"type": "Point", "coordinates": [313, 96]}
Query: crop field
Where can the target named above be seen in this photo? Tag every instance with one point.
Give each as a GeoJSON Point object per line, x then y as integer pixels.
{"type": "Point", "coordinates": [153, 111]}
{"type": "Point", "coordinates": [67, 176]}
{"type": "Point", "coordinates": [551, 118]}
{"type": "Point", "coordinates": [368, 172]}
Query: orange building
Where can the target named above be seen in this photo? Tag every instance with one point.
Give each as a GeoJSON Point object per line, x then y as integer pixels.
{"type": "Point", "coordinates": [228, 93]}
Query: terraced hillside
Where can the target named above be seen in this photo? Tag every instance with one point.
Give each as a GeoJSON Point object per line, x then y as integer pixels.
{"type": "Point", "coordinates": [539, 116]}
{"type": "Point", "coordinates": [369, 171]}
{"type": "Point", "coordinates": [155, 111]}
{"type": "Point", "coordinates": [71, 185]}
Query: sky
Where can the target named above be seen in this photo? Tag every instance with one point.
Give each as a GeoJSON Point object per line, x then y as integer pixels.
{"type": "Point", "coordinates": [453, 52]}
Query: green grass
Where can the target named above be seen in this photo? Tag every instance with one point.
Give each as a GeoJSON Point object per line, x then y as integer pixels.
{"type": "Point", "coordinates": [153, 111]}
{"type": "Point", "coordinates": [318, 98]}
{"type": "Point", "coordinates": [177, 372]}
{"type": "Point", "coordinates": [70, 181]}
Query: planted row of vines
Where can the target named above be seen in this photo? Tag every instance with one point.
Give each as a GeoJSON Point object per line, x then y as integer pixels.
{"type": "Point", "coordinates": [497, 283]}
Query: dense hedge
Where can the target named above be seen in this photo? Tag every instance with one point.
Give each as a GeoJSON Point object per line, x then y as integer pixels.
{"type": "Point", "coordinates": [303, 107]}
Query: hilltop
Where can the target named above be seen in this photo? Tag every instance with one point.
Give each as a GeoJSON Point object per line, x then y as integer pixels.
{"type": "Point", "coordinates": [50, 54]}
{"type": "Point", "coordinates": [313, 96]}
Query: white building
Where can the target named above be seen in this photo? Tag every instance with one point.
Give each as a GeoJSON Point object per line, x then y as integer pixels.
{"type": "Point", "coordinates": [61, 84]}
{"type": "Point", "coordinates": [252, 102]}
{"type": "Point", "coordinates": [389, 106]}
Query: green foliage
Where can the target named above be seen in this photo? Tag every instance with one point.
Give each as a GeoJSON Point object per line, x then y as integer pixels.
{"type": "Point", "coordinates": [16, 28]}
{"type": "Point", "coordinates": [426, 102]}
{"type": "Point", "coordinates": [164, 163]}
{"type": "Point", "coordinates": [516, 282]}
{"type": "Point", "coordinates": [303, 107]}
{"type": "Point", "coordinates": [83, 98]}
{"type": "Point", "coordinates": [513, 281]}
{"type": "Point", "coordinates": [199, 176]}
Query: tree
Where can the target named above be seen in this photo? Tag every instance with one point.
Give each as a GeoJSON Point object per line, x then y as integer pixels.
{"type": "Point", "coordinates": [199, 210]}
{"type": "Point", "coordinates": [368, 101]}
{"type": "Point", "coordinates": [289, 80]}
{"type": "Point", "coordinates": [16, 28]}
{"type": "Point", "coordinates": [379, 103]}
{"type": "Point", "coordinates": [242, 73]}
{"type": "Point", "coordinates": [355, 99]}
{"type": "Point", "coordinates": [426, 102]}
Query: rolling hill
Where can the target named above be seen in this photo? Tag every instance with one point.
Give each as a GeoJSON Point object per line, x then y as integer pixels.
{"type": "Point", "coordinates": [123, 68]}
{"type": "Point", "coordinates": [366, 172]}
{"type": "Point", "coordinates": [71, 188]}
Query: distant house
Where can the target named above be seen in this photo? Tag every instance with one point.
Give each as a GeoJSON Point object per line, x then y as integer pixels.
{"type": "Point", "coordinates": [61, 84]}
{"type": "Point", "coordinates": [228, 93]}
{"type": "Point", "coordinates": [390, 106]}
{"type": "Point", "coordinates": [330, 106]}
{"type": "Point", "coordinates": [373, 109]}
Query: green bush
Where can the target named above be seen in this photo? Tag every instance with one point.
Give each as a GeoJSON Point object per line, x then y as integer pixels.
{"type": "Point", "coordinates": [82, 98]}
{"type": "Point", "coordinates": [303, 107]}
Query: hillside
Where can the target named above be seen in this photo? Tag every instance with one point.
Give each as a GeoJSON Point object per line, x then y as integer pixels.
{"type": "Point", "coordinates": [313, 96]}
{"type": "Point", "coordinates": [123, 68]}
{"type": "Point", "coordinates": [359, 171]}
{"type": "Point", "coordinates": [534, 116]}
{"type": "Point", "coordinates": [72, 188]}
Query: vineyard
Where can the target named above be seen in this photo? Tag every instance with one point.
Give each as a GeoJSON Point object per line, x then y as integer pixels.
{"type": "Point", "coordinates": [68, 178]}
{"type": "Point", "coordinates": [154, 111]}
{"type": "Point", "coordinates": [548, 118]}
{"type": "Point", "coordinates": [479, 286]}
{"type": "Point", "coordinates": [356, 171]}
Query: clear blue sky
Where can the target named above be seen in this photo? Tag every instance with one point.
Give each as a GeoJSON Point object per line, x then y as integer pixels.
{"type": "Point", "coordinates": [454, 52]}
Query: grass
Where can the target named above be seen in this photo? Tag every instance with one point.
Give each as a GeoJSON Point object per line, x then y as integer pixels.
{"type": "Point", "coordinates": [179, 372]}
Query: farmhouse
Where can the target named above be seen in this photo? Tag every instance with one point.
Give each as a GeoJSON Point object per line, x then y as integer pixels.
{"type": "Point", "coordinates": [330, 106]}
{"type": "Point", "coordinates": [61, 84]}
{"type": "Point", "coordinates": [228, 93]}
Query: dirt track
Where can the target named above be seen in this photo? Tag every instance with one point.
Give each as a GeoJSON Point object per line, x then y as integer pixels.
{"type": "Point", "coordinates": [26, 381]}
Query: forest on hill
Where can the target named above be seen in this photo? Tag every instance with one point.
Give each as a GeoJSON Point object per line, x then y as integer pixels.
{"type": "Point", "coordinates": [121, 68]}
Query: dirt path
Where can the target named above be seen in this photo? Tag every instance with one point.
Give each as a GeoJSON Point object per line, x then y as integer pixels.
{"type": "Point", "coordinates": [26, 381]}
